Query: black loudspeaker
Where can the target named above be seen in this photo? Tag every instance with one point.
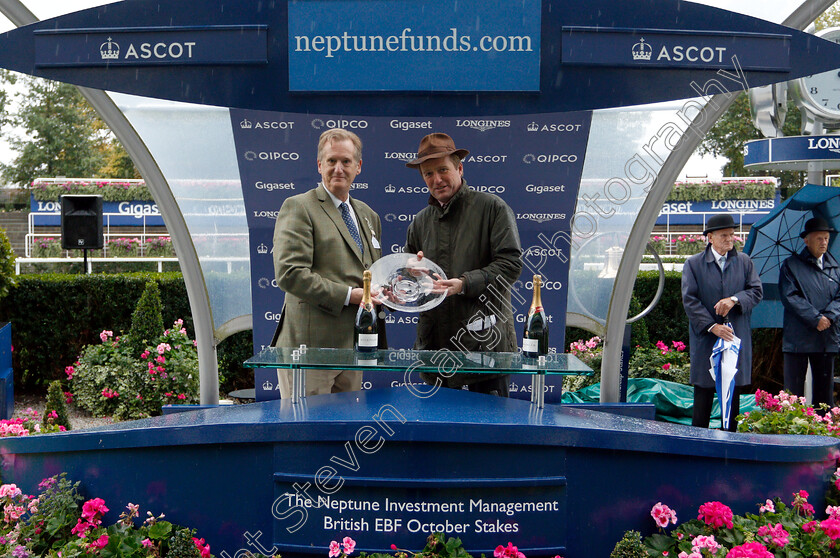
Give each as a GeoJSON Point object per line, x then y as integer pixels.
{"type": "Point", "coordinates": [81, 222]}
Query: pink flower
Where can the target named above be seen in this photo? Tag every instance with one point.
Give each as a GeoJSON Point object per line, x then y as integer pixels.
{"type": "Point", "coordinates": [101, 542]}
{"type": "Point", "coordinates": [809, 527]}
{"type": "Point", "coordinates": [666, 366]}
{"type": "Point", "coordinates": [92, 507]}
{"type": "Point", "coordinates": [703, 542]}
{"type": "Point", "coordinates": [678, 345]}
{"type": "Point", "coordinates": [776, 535]}
{"type": "Point", "coordinates": [767, 507]}
{"type": "Point", "coordinates": [831, 527]}
{"type": "Point", "coordinates": [105, 335]}
{"type": "Point", "coordinates": [663, 515]}
{"type": "Point", "coordinates": [509, 551]}
{"type": "Point", "coordinates": [349, 544]}
{"type": "Point", "coordinates": [800, 503]}
{"type": "Point", "coordinates": [69, 370]}
{"type": "Point", "coordinates": [68, 397]}
{"type": "Point", "coordinates": [10, 491]}
{"type": "Point", "coordinates": [662, 347]}
{"type": "Point", "coordinates": [716, 515]}
{"type": "Point", "coordinates": [144, 355]}
{"type": "Point", "coordinates": [81, 528]}
{"type": "Point", "coordinates": [182, 396]}
{"type": "Point", "coordinates": [163, 347]}
{"type": "Point", "coordinates": [203, 548]}
{"type": "Point", "coordinates": [335, 549]}
{"type": "Point", "coordinates": [750, 550]}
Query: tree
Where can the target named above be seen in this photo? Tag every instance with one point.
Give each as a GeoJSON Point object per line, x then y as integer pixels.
{"type": "Point", "coordinates": [63, 136]}
{"type": "Point", "coordinates": [734, 129]}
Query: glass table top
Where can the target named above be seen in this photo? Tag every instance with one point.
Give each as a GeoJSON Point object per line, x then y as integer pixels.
{"type": "Point", "coordinates": [422, 361]}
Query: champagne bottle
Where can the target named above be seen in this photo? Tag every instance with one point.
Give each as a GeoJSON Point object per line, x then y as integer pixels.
{"type": "Point", "coordinates": [535, 339]}
{"type": "Point", "coordinates": [367, 326]}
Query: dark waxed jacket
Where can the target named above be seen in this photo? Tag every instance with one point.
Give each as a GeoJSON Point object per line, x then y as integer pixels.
{"type": "Point", "coordinates": [808, 293]}
{"type": "Point", "coordinates": [475, 238]}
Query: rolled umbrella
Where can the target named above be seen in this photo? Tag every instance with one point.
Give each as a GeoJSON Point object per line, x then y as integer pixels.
{"type": "Point", "coordinates": [724, 367]}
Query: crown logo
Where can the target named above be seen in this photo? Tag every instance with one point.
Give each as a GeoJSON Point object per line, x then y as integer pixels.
{"type": "Point", "coordinates": [642, 50]}
{"type": "Point", "coordinates": [245, 124]}
{"type": "Point", "coordinates": [533, 127]}
{"type": "Point", "coordinates": [390, 189]}
{"type": "Point", "coordinates": [109, 50]}
{"type": "Point", "coordinates": [262, 248]}
{"type": "Point", "coordinates": [267, 386]}
{"type": "Point", "coordinates": [389, 319]}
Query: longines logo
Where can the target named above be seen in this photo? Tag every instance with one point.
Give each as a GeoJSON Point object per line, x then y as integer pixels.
{"type": "Point", "coordinates": [359, 186]}
{"type": "Point", "coordinates": [534, 127]}
{"type": "Point", "coordinates": [545, 189]}
{"type": "Point", "coordinates": [552, 158]}
{"type": "Point", "coordinates": [271, 156]}
{"type": "Point", "coordinates": [540, 217]}
{"type": "Point", "coordinates": [266, 125]}
{"type": "Point", "coordinates": [320, 124]}
{"type": "Point", "coordinates": [482, 125]}
{"type": "Point", "coordinates": [404, 157]}
{"type": "Point", "coordinates": [266, 214]}
{"type": "Point", "coordinates": [402, 217]}
{"type": "Point", "coordinates": [406, 125]}
{"type": "Point", "coordinates": [830, 144]}
{"type": "Point", "coordinates": [391, 189]}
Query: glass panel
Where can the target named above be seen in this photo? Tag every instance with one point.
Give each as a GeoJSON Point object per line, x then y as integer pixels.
{"type": "Point", "coordinates": [193, 146]}
{"type": "Point", "coordinates": [421, 361]}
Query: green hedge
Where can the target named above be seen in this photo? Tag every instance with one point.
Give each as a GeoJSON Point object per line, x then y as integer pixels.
{"type": "Point", "coordinates": [54, 316]}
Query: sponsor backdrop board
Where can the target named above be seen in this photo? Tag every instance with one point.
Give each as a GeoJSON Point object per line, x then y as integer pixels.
{"type": "Point", "coordinates": [533, 162]}
{"type": "Point", "coordinates": [746, 212]}
{"type": "Point", "coordinates": [115, 214]}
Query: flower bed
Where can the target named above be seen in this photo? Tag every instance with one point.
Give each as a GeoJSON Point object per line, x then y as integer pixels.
{"type": "Point", "coordinates": [759, 188]}
{"type": "Point", "coordinates": [56, 523]}
{"type": "Point", "coordinates": [110, 380]}
{"type": "Point", "coordinates": [686, 244]}
{"type": "Point", "coordinates": [127, 247]}
{"type": "Point", "coordinates": [110, 190]}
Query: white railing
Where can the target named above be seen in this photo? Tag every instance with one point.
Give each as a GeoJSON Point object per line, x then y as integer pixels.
{"type": "Point", "coordinates": [142, 235]}
{"type": "Point", "coordinates": [229, 261]}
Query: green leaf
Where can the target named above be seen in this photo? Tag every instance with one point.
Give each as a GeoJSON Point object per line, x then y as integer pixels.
{"type": "Point", "coordinates": [160, 530]}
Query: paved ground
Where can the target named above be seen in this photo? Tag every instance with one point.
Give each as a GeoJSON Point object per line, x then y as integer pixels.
{"type": "Point", "coordinates": [79, 418]}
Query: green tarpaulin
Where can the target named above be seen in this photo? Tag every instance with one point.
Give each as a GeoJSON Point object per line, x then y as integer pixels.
{"type": "Point", "coordinates": [673, 401]}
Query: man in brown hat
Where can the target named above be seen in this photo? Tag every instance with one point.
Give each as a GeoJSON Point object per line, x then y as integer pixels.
{"type": "Point", "coordinates": [809, 287]}
{"type": "Point", "coordinates": [720, 287]}
{"type": "Point", "coordinates": [473, 237]}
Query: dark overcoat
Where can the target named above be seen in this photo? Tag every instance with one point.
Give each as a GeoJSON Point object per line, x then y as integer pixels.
{"type": "Point", "coordinates": [703, 285]}
{"type": "Point", "coordinates": [808, 292]}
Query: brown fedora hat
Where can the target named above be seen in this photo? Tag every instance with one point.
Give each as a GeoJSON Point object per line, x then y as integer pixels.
{"type": "Point", "coordinates": [434, 146]}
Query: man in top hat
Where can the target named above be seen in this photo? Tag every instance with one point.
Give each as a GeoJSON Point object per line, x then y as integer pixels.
{"type": "Point", "coordinates": [809, 286]}
{"type": "Point", "coordinates": [720, 287]}
{"type": "Point", "coordinates": [473, 237]}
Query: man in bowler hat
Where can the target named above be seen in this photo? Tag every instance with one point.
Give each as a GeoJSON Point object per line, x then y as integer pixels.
{"type": "Point", "coordinates": [809, 286]}
{"type": "Point", "coordinates": [720, 287]}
